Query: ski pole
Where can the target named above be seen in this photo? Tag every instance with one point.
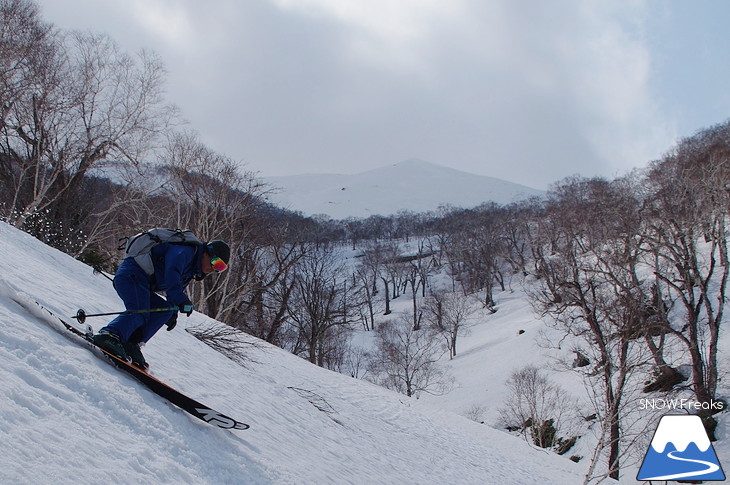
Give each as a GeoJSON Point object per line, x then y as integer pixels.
{"type": "Point", "coordinates": [98, 270]}
{"type": "Point", "coordinates": [81, 315]}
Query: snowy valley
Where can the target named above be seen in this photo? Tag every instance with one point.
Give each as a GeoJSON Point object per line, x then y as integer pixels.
{"type": "Point", "coordinates": [69, 417]}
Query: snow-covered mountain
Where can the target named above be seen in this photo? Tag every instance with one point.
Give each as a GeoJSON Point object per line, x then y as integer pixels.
{"type": "Point", "coordinates": [412, 185]}
{"type": "Point", "coordinates": [680, 432]}
{"type": "Point", "coordinates": [66, 416]}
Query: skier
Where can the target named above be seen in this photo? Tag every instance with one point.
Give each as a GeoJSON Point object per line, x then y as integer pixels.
{"type": "Point", "coordinates": [175, 265]}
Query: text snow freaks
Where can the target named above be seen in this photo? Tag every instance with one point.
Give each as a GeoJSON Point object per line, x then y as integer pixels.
{"type": "Point", "coordinates": [680, 404]}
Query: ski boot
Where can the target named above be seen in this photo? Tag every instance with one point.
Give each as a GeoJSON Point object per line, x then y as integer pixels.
{"type": "Point", "coordinates": [134, 352]}
{"type": "Point", "coordinates": [110, 342]}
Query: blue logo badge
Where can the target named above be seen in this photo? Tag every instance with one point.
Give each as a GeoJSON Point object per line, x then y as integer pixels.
{"type": "Point", "coordinates": [680, 449]}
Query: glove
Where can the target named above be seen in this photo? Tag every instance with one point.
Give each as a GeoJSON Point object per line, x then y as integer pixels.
{"type": "Point", "coordinates": [171, 322]}
{"type": "Point", "coordinates": [186, 308]}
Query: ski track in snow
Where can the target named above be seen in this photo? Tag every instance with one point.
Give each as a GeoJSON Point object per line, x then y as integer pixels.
{"type": "Point", "coordinates": [711, 468]}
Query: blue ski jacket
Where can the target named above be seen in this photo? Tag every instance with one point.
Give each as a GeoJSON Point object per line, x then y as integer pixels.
{"type": "Point", "coordinates": [175, 265]}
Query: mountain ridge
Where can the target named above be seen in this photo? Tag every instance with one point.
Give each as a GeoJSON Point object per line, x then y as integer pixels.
{"type": "Point", "coordinates": [411, 185]}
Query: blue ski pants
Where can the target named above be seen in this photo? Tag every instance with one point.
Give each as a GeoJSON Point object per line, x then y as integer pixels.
{"type": "Point", "coordinates": [133, 287]}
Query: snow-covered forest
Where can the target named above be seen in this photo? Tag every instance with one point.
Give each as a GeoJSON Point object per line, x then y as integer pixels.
{"type": "Point", "coordinates": [626, 277]}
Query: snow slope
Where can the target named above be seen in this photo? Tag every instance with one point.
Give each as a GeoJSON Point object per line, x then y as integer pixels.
{"type": "Point", "coordinates": [413, 185]}
{"type": "Point", "coordinates": [69, 417]}
{"type": "Point", "coordinates": [514, 337]}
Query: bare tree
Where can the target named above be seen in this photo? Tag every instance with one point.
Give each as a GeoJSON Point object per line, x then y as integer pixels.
{"type": "Point", "coordinates": [406, 358]}
{"type": "Point", "coordinates": [475, 251]}
{"type": "Point", "coordinates": [80, 103]}
{"type": "Point", "coordinates": [418, 271]}
{"type": "Point", "coordinates": [366, 277]}
{"type": "Point", "coordinates": [26, 42]}
{"type": "Point", "coordinates": [517, 231]}
{"type": "Point", "coordinates": [688, 237]}
{"type": "Point", "coordinates": [268, 266]}
{"type": "Point", "coordinates": [536, 406]}
{"type": "Point", "coordinates": [378, 258]}
{"type": "Point", "coordinates": [587, 290]}
{"type": "Point", "coordinates": [412, 278]}
{"type": "Point", "coordinates": [217, 200]}
{"type": "Point", "coordinates": [448, 313]}
{"type": "Point", "coordinates": [322, 303]}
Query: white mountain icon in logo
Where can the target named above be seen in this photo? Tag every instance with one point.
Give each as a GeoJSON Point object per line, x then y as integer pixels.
{"type": "Point", "coordinates": [680, 449]}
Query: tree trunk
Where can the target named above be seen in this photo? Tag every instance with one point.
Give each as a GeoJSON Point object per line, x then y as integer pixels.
{"type": "Point", "coordinates": [387, 297]}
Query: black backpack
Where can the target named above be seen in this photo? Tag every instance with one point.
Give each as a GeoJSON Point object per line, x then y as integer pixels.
{"type": "Point", "coordinates": [140, 245]}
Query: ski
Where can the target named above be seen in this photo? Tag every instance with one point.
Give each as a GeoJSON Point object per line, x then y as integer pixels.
{"type": "Point", "coordinates": [187, 404]}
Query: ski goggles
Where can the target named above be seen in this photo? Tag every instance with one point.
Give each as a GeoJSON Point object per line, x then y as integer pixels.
{"type": "Point", "coordinates": [218, 264]}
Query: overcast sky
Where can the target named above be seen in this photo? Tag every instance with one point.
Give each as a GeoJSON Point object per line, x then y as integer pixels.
{"type": "Point", "coordinates": [530, 91]}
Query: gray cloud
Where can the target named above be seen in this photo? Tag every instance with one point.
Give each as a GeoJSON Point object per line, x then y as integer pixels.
{"type": "Point", "coordinates": [529, 91]}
